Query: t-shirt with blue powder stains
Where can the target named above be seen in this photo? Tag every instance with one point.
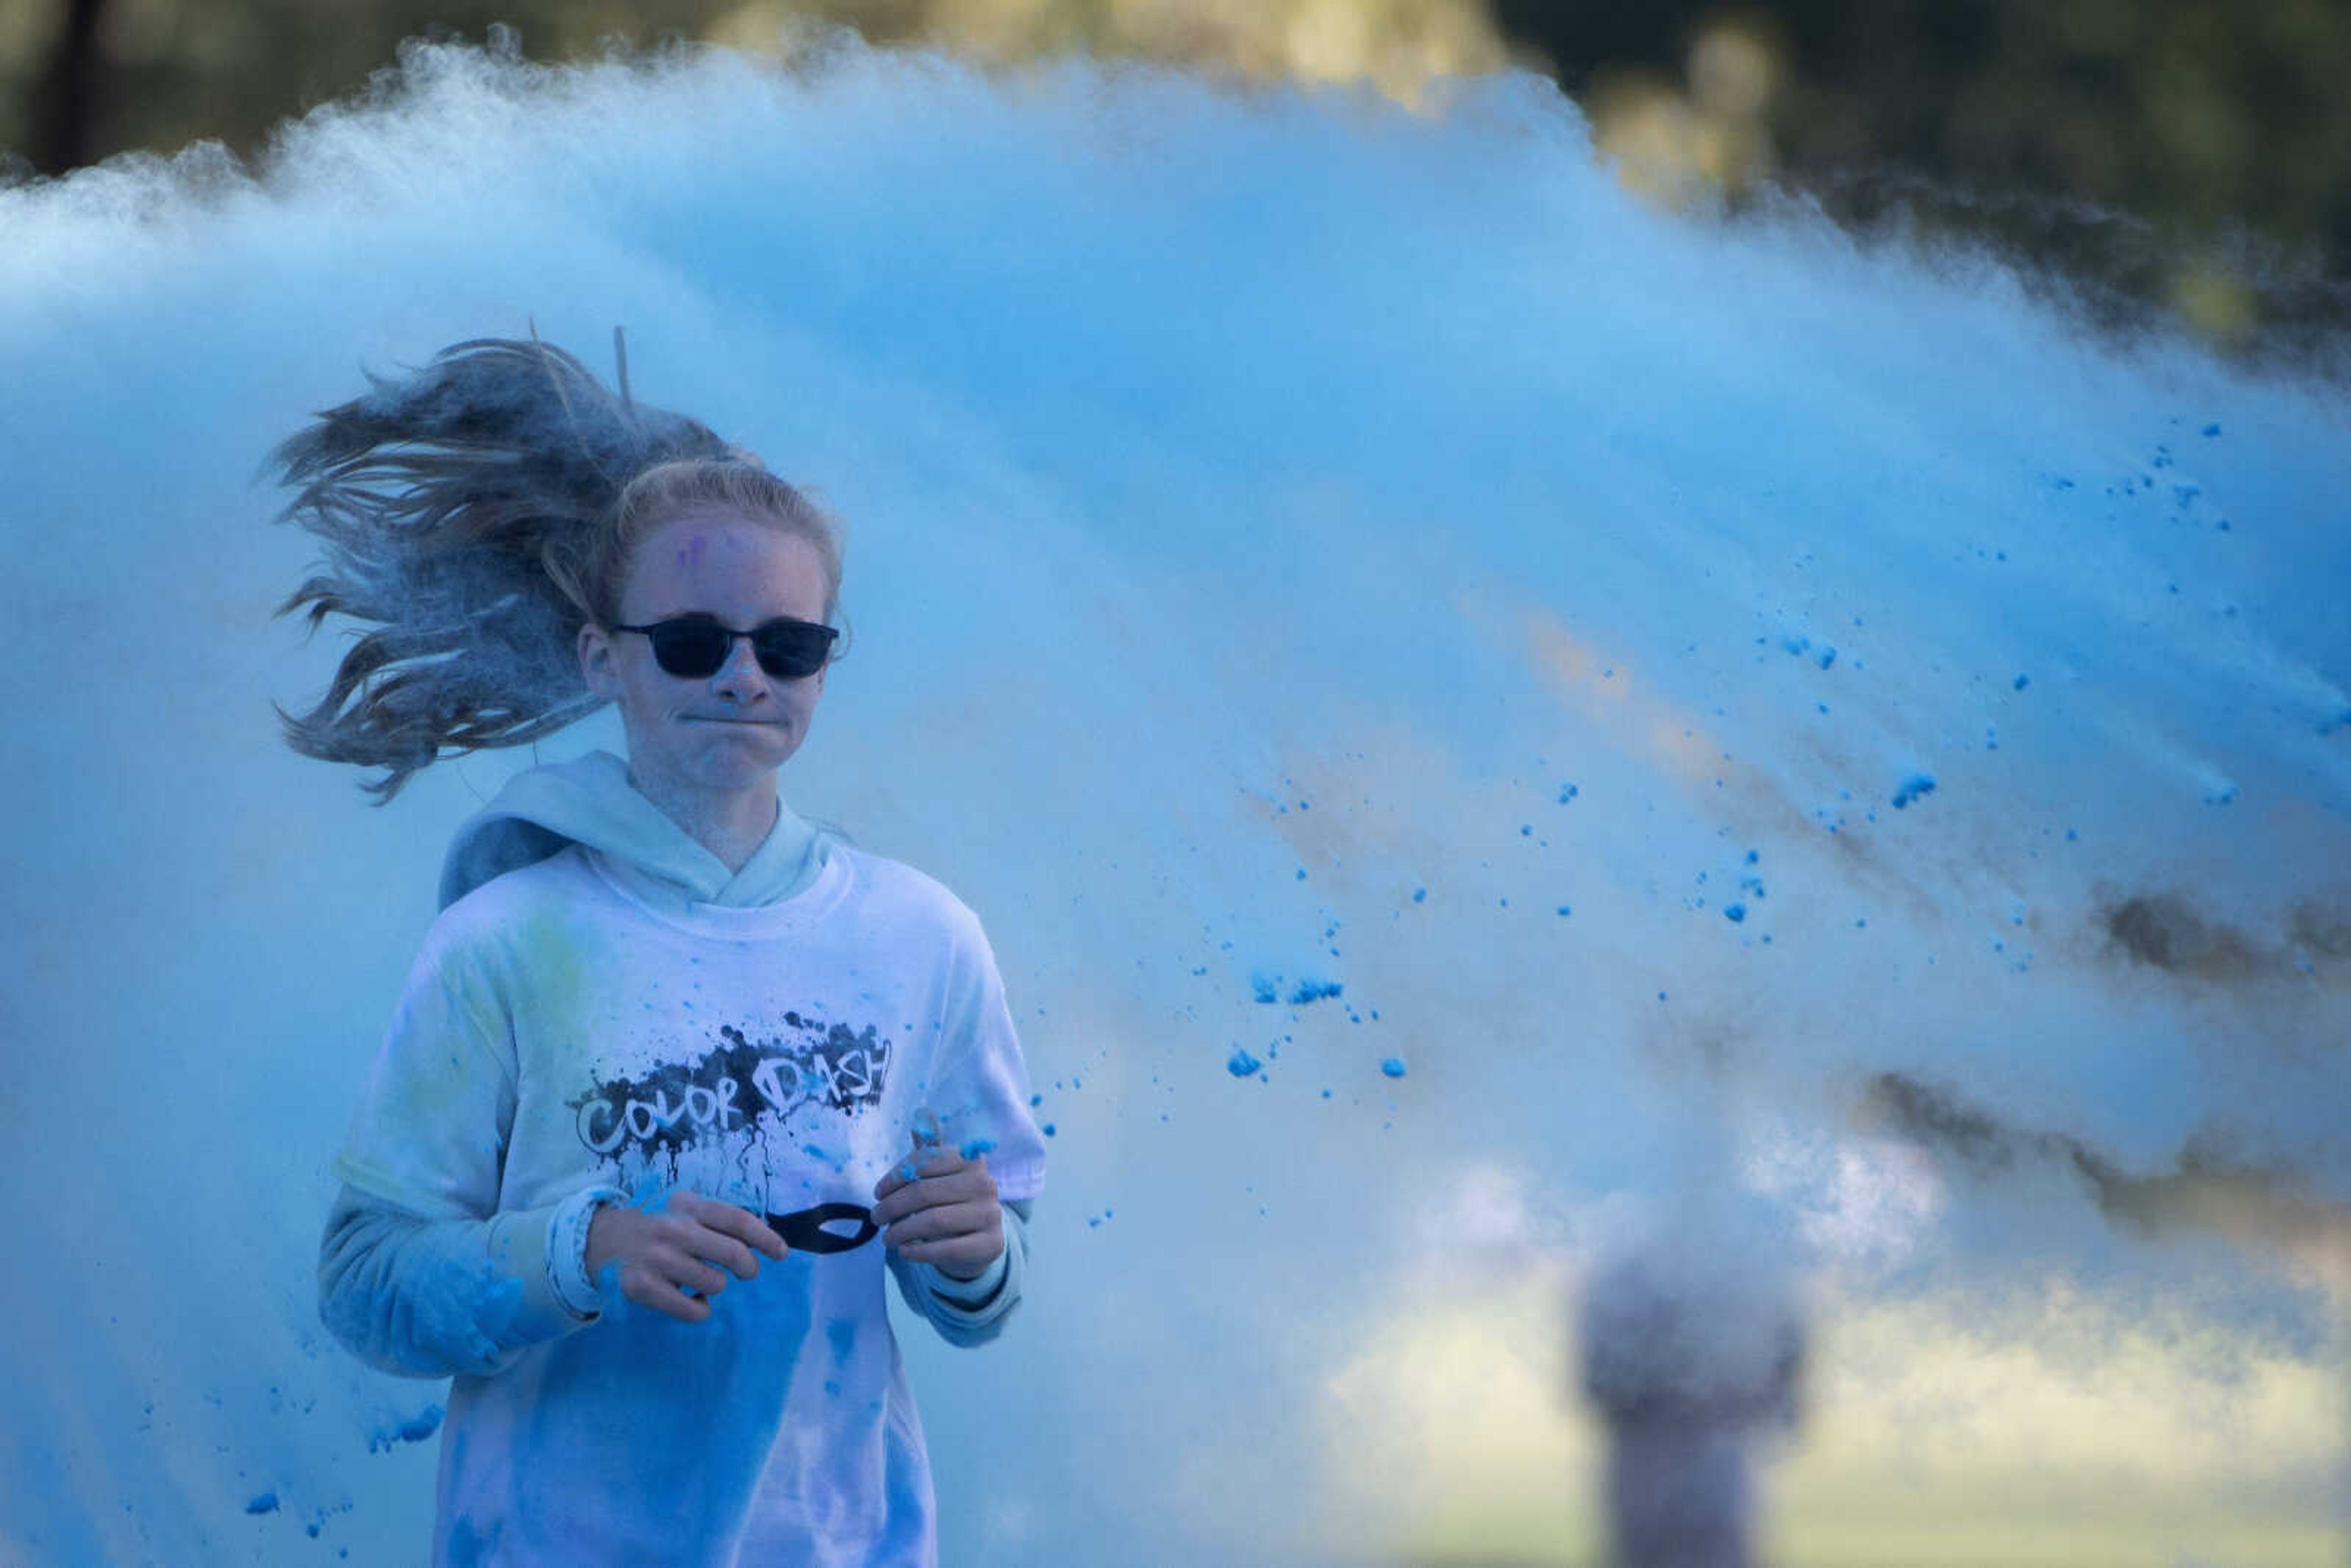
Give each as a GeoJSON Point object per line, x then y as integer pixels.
{"type": "Point", "coordinates": [580, 1023]}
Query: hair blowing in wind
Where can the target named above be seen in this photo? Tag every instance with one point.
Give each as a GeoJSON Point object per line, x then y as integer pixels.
{"type": "Point", "coordinates": [460, 507]}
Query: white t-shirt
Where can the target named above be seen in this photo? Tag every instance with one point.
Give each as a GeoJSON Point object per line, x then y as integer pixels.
{"type": "Point", "coordinates": [578, 1023]}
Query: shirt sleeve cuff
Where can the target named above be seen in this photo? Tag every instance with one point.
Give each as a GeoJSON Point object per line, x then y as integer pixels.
{"type": "Point", "coordinates": [567, 1252]}
{"type": "Point", "coordinates": [974, 1292]}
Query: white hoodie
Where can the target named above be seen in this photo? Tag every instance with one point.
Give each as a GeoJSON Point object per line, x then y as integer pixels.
{"type": "Point", "coordinates": [603, 1012]}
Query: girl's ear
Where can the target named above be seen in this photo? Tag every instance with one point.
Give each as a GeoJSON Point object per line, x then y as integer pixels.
{"type": "Point", "coordinates": [595, 647]}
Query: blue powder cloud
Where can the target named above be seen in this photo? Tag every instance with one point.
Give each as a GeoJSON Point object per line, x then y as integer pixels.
{"type": "Point", "coordinates": [1201, 452]}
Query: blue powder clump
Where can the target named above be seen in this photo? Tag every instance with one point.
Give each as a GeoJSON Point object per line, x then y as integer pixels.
{"type": "Point", "coordinates": [1047, 1129]}
{"type": "Point", "coordinates": [265, 1503]}
{"type": "Point", "coordinates": [1917, 787]}
{"type": "Point", "coordinates": [2023, 682]}
{"type": "Point", "coordinates": [1392, 1067]}
{"type": "Point", "coordinates": [415, 1429]}
{"type": "Point", "coordinates": [1420, 895]}
{"type": "Point", "coordinates": [974, 1147]}
{"type": "Point", "coordinates": [1310, 991]}
{"type": "Point", "coordinates": [1568, 793]}
{"type": "Point", "coordinates": [1242, 1063]}
{"type": "Point", "coordinates": [1266, 988]}
{"type": "Point", "coordinates": [1734, 913]}
{"type": "Point", "coordinates": [1827, 656]}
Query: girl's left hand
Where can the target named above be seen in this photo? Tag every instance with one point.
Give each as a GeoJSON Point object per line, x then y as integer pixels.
{"type": "Point", "coordinates": [948, 1215]}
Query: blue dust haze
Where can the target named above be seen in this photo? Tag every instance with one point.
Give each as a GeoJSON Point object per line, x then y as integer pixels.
{"type": "Point", "coordinates": [1262, 507]}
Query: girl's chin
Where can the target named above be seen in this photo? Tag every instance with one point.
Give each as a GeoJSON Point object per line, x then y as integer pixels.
{"type": "Point", "coordinates": [743, 752]}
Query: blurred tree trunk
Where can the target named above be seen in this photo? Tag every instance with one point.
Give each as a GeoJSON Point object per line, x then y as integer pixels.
{"type": "Point", "coordinates": [65, 99]}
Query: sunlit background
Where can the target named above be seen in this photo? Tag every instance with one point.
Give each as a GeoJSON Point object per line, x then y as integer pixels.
{"type": "Point", "coordinates": [1541, 631]}
{"type": "Point", "coordinates": [2177, 159]}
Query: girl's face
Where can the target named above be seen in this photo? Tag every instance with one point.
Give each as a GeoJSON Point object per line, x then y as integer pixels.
{"type": "Point", "coordinates": [729, 731]}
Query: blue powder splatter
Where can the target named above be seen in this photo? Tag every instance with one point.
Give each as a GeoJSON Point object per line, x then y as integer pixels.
{"type": "Point", "coordinates": [1047, 1129]}
{"type": "Point", "coordinates": [1265, 989]}
{"type": "Point", "coordinates": [1392, 1067]}
{"type": "Point", "coordinates": [974, 1147]}
{"type": "Point", "coordinates": [1917, 787]}
{"type": "Point", "coordinates": [1242, 1063]}
{"type": "Point", "coordinates": [415, 1429]}
{"type": "Point", "coordinates": [1311, 992]}
{"type": "Point", "coordinates": [1568, 793]}
{"type": "Point", "coordinates": [1827, 656]}
{"type": "Point", "coordinates": [1735, 912]}
{"type": "Point", "coordinates": [265, 1503]}
{"type": "Point", "coordinates": [1565, 910]}
{"type": "Point", "coordinates": [1420, 895]}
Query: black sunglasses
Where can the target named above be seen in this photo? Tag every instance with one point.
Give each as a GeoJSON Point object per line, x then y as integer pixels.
{"type": "Point", "coordinates": [694, 647]}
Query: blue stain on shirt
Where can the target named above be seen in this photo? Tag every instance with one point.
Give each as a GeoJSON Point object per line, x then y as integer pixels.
{"type": "Point", "coordinates": [265, 1503]}
{"type": "Point", "coordinates": [973, 1148]}
{"type": "Point", "coordinates": [1242, 1063]}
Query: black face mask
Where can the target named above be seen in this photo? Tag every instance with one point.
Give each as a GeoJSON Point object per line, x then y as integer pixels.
{"type": "Point", "coordinates": [805, 1231]}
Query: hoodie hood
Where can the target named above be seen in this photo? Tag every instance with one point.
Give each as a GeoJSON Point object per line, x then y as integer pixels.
{"type": "Point", "coordinates": [591, 802]}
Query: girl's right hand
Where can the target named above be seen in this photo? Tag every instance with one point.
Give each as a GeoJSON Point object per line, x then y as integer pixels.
{"type": "Point", "coordinates": [688, 1245]}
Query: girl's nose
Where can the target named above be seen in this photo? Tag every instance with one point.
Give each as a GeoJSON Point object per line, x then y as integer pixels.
{"type": "Point", "coordinates": [739, 679]}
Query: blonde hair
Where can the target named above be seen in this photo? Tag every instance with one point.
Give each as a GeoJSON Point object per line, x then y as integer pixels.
{"type": "Point", "coordinates": [474, 515]}
{"type": "Point", "coordinates": [668, 491]}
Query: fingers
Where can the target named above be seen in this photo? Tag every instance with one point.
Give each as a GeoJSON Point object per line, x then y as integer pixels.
{"type": "Point", "coordinates": [743, 1225]}
{"type": "Point", "coordinates": [961, 1239]}
{"type": "Point", "coordinates": [908, 1170]}
{"type": "Point", "coordinates": [944, 1181]}
{"type": "Point", "coordinates": [946, 1222]}
{"type": "Point", "coordinates": [674, 1258]}
{"type": "Point", "coordinates": [649, 1287]}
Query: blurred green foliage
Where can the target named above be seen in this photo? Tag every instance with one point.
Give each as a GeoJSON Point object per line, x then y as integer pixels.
{"type": "Point", "coordinates": [2175, 158]}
